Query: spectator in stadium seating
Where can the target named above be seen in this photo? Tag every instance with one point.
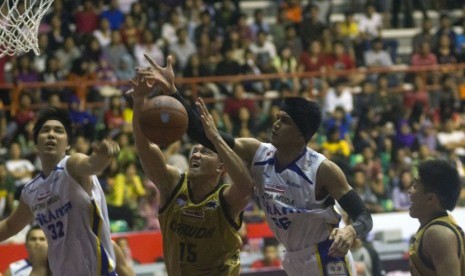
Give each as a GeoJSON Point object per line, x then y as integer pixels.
{"type": "Point", "coordinates": [84, 121]}
{"type": "Point", "coordinates": [336, 146]}
{"type": "Point", "coordinates": [124, 67]}
{"type": "Point", "coordinates": [81, 145]}
{"type": "Point", "coordinates": [148, 46]}
{"type": "Point", "coordinates": [401, 161]}
{"type": "Point", "coordinates": [400, 195]}
{"type": "Point", "coordinates": [58, 33]}
{"type": "Point", "coordinates": [149, 206]}
{"type": "Point", "coordinates": [116, 49]}
{"type": "Point", "coordinates": [312, 59]}
{"type": "Point", "coordinates": [113, 117]}
{"type": "Point", "coordinates": [370, 23]}
{"type": "Point", "coordinates": [341, 120]}
{"type": "Point", "coordinates": [195, 68]}
{"type": "Point", "coordinates": [259, 23]}
{"type": "Point", "coordinates": [226, 15]}
{"type": "Point", "coordinates": [183, 48]}
{"type": "Point", "coordinates": [114, 15]}
{"type": "Point", "coordinates": [25, 71]}
{"type": "Point", "coordinates": [418, 97]}
{"type": "Point", "coordinates": [278, 29]}
{"type": "Point", "coordinates": [445, 28]}
{"type": "Point", "coordinates": [340, 59]}
{"type": "Point", "coordinates": [36, 263]}
{"type": "Point", "coordinates": [424, 35]}
{"type": "Point", "coordinates": [128, 152]}
{"type": "Point", "coordinates": [339, 95]}
{"type": "Point", "coordinates": [207, 26]}
{"type": "Point", "coordinates": [377, 57]}
{"type": "Point", "coordinates": [451, 138]}
{"type": "Point", "coordinates": [209, 52]}
{"type": "Point", "coordinates": [7, 191]}
{"type": "Point", "coordinates": [365, 99]}
{"type": "Point", "coordinates": [311, 27]}
{"type": "Point", "coordinates": [270, 255]}
{"type": "Point", "coordinates": [139, 15]}
{"type": "Point", "coordinates": [40, 61]}
{"type": "Point", "coordinates": [24, 114]}
{"type": "Point", "coordinates": [448, 98]}
{"type": "Point", "coordinates": [67, 54]}
{"type": "Point", "coordinates": [232, 110]}
{"type": "Point", "coordinates": [444, 51]}
{"type": "Point", "coordinates": [19, 168]}
{"type": "Point", "coordinates": [103, 32]}
{"type": "Point", "coordinates": [293, 11]}
{"type": "Point", "coordinates": [130, 34]}
{"type": "Point", "coordinates": [53, 73]}
{"type": "Point", "coordinates": [86, 18]}
{"type": "Point", "coordinates": [349, 27]}
{"type": "Point", "coordinates": [170, 27]}
{"type": "Point", "coordinates": [245, 31]}
{"type": "Point", "coordinates": [286, 63]}
{"type": "Point", "coordinates": [362, 186]}
{"type": "Point", "coordinates": [264, 50]}
{"type": "Point", "coordinates": [293, 41]}
{"type": "Point", "coordinates": [427, 141]}
{"type": "Point", "coordinates": [125, 193]}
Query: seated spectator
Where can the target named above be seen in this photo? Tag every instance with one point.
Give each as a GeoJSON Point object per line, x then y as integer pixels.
{"type": "Point", "coordinates": [149, 206]}
{"type": "Point", "coordinates": [84, 121]}
{"type": "Point", "coordinates": [103, 33]}
{"type": "Point", "coordinates": [183, 48]}
{"type": "Point", "coordinates": [270, 255]}
{"type": "Point", "coordinates": [86, 18]}
{"type": "Point", "coordinates": [444, 51]}
{"type": "Point", "coordinates": [362, 186]}
{"type": "Point", "coordinates": [7, 191]}
{"type": "Point", "coordinates": [335, 145]}
{"type": "Point", "coordinates": [451, 138]}
{"type": "Point", "coordinates": [311, 27]}
{"type": "Point", "coordinates": [425, 35]}
{"type": "Point", "coordinates": [370, 23]}
{"type": "Point", "coordinates": [125, 194]}
{"type": "Point", "coordinates": [148, 46]}
{"type": "Point", "coordinates": [114, 15]}
{"type": "Point", "coordinates": [233, 117]}
{"type": "Point", "coordinates": [400, 194]}
{"type": "Point", "coordinates": [445, 28]}
{"type": "Point", "coordinates": [424, 57]}
{"type": "Point", "coordinates": [339, 95]}
{"type": "Point", "coordinates": [259, 23]}
{"type": "Point", "coordinates": [19, 168]}
{"type": "Point", "coordinates": [226, 15]}
{"type": "Point", "coordinates": [286, 63]}
{"type": "Point", "coordinates": [264, 49]}
{"type": "Point", "coordinates": [170, 27]}
{"type": "Point", "coordinates": [293, 41]}
{"type": "Point", "coordinates": [349, 28]}
{"type": "Point", "coordinates": [377, 57]}
{"type": "Point", "coordinates": [293, 11]}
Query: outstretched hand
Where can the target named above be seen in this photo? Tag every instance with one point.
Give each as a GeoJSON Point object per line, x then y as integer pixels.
{"type": "Point", "coordinates": [343, 240]}
{"type": "Point", "coordinates": [141, 86]}
{"type": "Point", "coordinates": [162, 76]}
{"type": "Point", "coordinates": [106, 147]}
{"type": "Point", "coordinates": [208, 123]}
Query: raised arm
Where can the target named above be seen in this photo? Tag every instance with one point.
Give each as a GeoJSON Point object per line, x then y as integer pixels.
{"type": "Point", "coordinates": [334, 182]}
{"type": "Point", "coordinates": [238, 194]}
{"type": "Point", "coordinates": [153, 161]}
{"type": "Point", "coordinates": [20, 217]}
{"type": "Point", "coordinates": [164, 78]}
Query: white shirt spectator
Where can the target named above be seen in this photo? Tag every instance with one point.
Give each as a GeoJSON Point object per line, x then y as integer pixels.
{"type": "Point", "coordinates": [333, 100]}
{"type": "Point", "coordinates": [152, 50]}
{"type": "Point", "coordinates": [380, 58]}
{"type": "Point", "coordinates": [125, 5]}
{"type": "Point", "coordinates": [370, 25]}
{"type": "Point", "coordinates": [183, 52]}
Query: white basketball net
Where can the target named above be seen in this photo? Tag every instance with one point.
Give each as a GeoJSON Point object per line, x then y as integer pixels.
{"type": "Point", "coordinates": [19, 25]}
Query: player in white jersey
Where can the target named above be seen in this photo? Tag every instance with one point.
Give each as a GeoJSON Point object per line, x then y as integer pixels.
{"type": "Point", "coordinates": [66, 200]}
{"type": "Point", "coordinates": [36, 262]}
{"type": "Point", "coordinates": [296, 186]}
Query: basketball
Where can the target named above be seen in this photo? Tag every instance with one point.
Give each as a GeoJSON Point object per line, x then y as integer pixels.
{"type": "Point", "coordinates": [163, 120]}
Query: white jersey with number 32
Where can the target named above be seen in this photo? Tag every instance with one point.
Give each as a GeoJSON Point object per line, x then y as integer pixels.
{"type": "Point", "coordinates": [76, 224]}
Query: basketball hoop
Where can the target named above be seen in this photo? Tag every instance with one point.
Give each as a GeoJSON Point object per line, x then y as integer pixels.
{"type": "Point", "coordinates": [19, 25]}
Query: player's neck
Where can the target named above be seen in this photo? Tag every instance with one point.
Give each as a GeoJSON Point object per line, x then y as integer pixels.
{"type": "Point", "coordinates": [200, 187]}
{"type": "Point", "coordinates": [431, 216]}
{"type": "Point", "coordinates": [49, 163]}
{"type": "Point", "coordinates": [285, 156]}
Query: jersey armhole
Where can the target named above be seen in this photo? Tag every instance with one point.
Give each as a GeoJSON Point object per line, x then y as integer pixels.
{"type": "Point", "coordinates": [420, 248]}
{"type": "Point", "coordinates": [224, 209]}
{"type": "Point", "coordinates": [173, 194]}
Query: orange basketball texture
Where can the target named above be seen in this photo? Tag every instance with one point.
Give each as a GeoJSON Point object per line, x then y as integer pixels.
{"type": "Point", "coordinates": [163, 120]}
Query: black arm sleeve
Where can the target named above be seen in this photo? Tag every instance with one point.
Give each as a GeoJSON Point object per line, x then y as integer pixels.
{"type": "Point", "coordinates": [195, 127]}
{"type": "Point", "coordinates": [353, 205]}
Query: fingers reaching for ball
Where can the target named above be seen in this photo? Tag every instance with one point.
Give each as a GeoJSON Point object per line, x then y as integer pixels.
{"type": "Point", "coordinates": [207, 120]}
{"type": "Point", "coordinates": [106, 147]}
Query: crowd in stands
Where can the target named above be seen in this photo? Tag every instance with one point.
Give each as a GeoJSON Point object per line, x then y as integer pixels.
{"type": "Point", "coordinates": [373, 132]}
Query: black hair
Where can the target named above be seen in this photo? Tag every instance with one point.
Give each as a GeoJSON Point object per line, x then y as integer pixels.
{"type": "Point", "coordinates": [442, 179]}
{"type": "Point", "coordinates": [53, 113]}
{"type": "Point", "coordinates": [33, 228]}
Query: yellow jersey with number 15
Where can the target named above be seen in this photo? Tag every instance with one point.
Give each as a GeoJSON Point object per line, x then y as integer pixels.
{"type": "Point", "coordinates": [199, 238]}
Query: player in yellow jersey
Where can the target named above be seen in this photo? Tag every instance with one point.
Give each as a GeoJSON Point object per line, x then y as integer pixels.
{"type": "Point", "coordinates": [438, 246]}
{"type": "Point", "coordinates": [199, 216]}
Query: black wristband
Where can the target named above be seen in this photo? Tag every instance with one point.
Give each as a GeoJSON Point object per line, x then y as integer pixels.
{"type": "Point", "coordinates": [354, 206]}
{"type": "Point", "coordinates": [195, 128]}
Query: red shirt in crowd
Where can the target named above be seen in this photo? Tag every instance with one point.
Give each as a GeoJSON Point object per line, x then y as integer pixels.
{"type": "Point", "coordinates": [261, 264]}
